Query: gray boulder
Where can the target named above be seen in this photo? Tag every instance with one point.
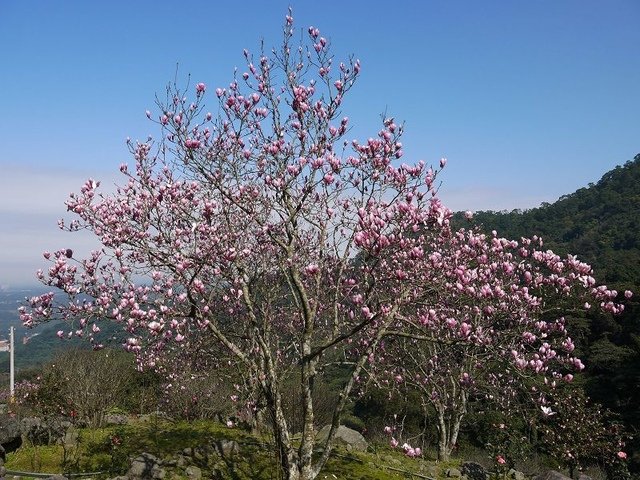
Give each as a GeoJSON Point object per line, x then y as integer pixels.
{"type": "Point", "coordinates": [226, 448]}
{"type": "Point", "coordinates": [44, 431]}
{"type": "Point", "coordinates": [552, 475]}
{"type": "Point", "coordinates": [453, 473]}
{"type": "Point", "coordinates": [515, 474]}
{"type": "Point", "coordinates": [10, 434]}
{"type": "Point", "coordinates": [116, 419]}
{"type": "Point", "coordinates": [193, 473]}
{"type": "Point", "coordinates": [352, 439]}
{"type": "Point", "coordinates": [146, 467]}
{"type": "Point", "coordinates": [473, 471]}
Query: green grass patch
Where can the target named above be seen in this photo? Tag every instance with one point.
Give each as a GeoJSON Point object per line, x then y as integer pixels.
{"type": "Point", "coordinates": [41, 458]}
{"type": "Point", "coordinates": [200, 443]}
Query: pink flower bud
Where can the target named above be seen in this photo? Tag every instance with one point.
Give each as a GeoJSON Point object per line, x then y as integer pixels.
{"type": "Point", "coordinates": [191, 143]}
{"type": "Point", "coordinates": [311, 269]}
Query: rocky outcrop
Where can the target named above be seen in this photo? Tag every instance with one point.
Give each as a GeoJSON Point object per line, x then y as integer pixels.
{"type": "Point", "coordinates": [10, 434]}
{"type": "Point", "coordinates": [189, 463]}
{"type": "Point", "coordinates": [352, 439]}
{"type": "Point", "coordinates": [44, 431]}
{"type": "Point", "coordinates": [116, 419]}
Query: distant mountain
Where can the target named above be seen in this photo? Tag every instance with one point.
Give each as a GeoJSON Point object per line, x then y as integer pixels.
{"type": "Point", "coordinates": [39, 345]}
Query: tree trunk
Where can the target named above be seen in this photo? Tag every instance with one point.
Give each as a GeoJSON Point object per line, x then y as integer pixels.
{"type": "Point", "coordinates": [444, 448]}
{"type": "Point", "coordinates": [448, 430]}
{"type": "Point", "coordinates": [294, 465]}
{"type": "Point", "coordinates": [284, 449]}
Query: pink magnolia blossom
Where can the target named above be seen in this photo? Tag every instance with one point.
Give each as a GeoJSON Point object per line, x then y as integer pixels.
{"type": "Point", "coordinates": [192, 143]}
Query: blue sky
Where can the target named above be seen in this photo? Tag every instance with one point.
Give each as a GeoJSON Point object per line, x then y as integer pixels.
{"type": "Point", "coordinates": [528, 100]}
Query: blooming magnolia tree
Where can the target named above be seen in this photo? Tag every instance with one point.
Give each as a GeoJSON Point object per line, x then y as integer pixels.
{"type": "Point", "coordinates": [492, 327]}
{"type": "Point", "coordinates": [243, 226]}
{"type": "Point", "coordinates": [263, 228]}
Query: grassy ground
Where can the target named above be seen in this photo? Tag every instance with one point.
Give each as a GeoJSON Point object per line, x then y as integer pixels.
{"type": "Point", "coordinates": [184, 444]}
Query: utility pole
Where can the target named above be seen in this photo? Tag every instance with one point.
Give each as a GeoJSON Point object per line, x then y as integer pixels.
{"type": "Point", "coordinates": [11, 361]}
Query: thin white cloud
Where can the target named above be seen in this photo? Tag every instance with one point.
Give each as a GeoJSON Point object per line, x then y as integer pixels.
{"type": "Point", "coordinates": [482, 198]}
{"type": "Point", "coordinates": [39, 190]}
{"type": "Point", "coordinates": [31, 203]}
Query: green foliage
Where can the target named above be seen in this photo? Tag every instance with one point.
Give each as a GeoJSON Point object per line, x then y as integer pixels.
{"type": "Point", "coordinates": [36, 458]}
{"type": "Point", "coordinates": [353, 422]}
{"type": "Point", "coordinates": [75, 456]}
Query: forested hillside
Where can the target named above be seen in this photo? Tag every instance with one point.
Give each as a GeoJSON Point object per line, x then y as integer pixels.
{"type": "Point", "coordinates": [600, 224]}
